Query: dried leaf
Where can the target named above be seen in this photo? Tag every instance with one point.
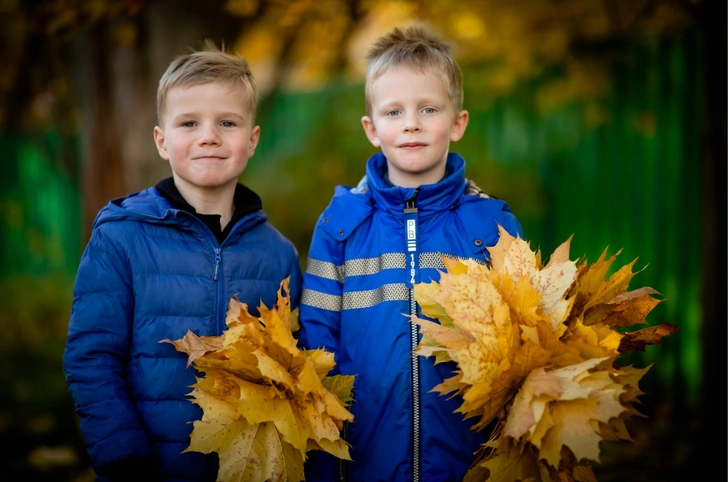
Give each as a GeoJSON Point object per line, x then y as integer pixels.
{"type": "Point", "coordinates": [637, 340]}
{"type": "Point", "coordinates": [195, 346]}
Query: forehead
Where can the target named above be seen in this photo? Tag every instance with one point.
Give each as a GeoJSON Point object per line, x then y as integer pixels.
{"type": "Point", "coordinates": [209, 96]}
{"type": "Point", "coordinates": [404, 82]}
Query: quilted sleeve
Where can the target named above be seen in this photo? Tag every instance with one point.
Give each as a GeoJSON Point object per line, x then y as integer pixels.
{"type": "Point", "coordinates": [96, 355]}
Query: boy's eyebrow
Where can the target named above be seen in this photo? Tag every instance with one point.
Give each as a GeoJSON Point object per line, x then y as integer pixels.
{"type": "Point", "coordinates": [396, 102]}
{"type": "Point", "coordinates": [217, 114]}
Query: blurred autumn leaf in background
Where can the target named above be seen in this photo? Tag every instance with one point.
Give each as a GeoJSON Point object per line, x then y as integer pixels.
{"type": "Point", "coordinates": [303, 44]}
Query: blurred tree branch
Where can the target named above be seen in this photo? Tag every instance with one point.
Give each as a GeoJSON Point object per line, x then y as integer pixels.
{"type": "Point", "coordinates": [315, 41]}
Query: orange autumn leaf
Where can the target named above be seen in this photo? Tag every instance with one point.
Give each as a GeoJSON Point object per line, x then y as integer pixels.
{"type": "Point", "coordinates": [638, 340]}
{"type": "Point", "coordinates": [196, 346]}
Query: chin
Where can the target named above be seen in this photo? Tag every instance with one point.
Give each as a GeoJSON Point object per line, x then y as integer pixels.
{"type": "Point", "coordinates": [212, 182]}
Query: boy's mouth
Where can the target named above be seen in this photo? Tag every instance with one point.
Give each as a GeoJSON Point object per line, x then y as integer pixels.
{"type": "Point", "coordinates": [412, 145]}
{"type": "Point", "coordinates": [207, 158]}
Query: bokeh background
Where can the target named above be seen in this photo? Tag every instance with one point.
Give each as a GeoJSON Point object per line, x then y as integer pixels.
{"type": "Point", "coordinates": [601, 119]}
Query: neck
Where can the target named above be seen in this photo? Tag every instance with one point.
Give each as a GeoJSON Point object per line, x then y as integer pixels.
{"type": "Point", "coordinates": [209, 201]}
{"type": "Point", "coordinates": [402, 179]}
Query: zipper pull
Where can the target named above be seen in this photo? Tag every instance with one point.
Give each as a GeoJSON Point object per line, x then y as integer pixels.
{"type": "Point", "coordinates": [409, 206]}
{"type": "Point", "coordinates": [217, 263]}
{"type": "Point", "coordinates": [410, 221]}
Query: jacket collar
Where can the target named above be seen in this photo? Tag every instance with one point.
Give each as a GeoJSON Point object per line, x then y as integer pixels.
{"type": "Point", "coordinates": [245, 202]}
{"type": "Point", "coordinates": [149, 205]}
{"type": "Point", "coordinates": [430, 197]}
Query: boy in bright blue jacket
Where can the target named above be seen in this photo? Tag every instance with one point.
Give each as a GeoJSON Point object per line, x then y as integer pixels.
{"type": "Point", "coordinates": [167, 260]}
{"type": "Point", "coordinates": [373, 243]}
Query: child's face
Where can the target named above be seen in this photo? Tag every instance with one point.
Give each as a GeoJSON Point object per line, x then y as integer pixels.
{"type": "Point", "coordinates": [207, 135]}
{"type": "Point", "coordinates": [413, 122]}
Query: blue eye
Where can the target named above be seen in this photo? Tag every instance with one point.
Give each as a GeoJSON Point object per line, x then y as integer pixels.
{"type": "Point", "coordinates": [429, 110]}
{"type": "Point", "coordinates": [393, 113]}
{"type": "Point", "coordinates": [188, 124]}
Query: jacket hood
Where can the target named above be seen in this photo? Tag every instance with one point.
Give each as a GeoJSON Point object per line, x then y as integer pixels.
{"type": "Point", "coordinates": [430, 197]}
{"type": "Point", "coordinates": [148, 205]}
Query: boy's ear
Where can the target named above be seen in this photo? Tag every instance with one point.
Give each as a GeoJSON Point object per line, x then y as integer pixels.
{"type": "Point", "coordinates": [458, 127]}
{"type": "Point", "coordinates": [159, 142]}
{"type": "Point", "coordinates": [371, 131]}
{"type": "Point", "coordinates": [254, 138]}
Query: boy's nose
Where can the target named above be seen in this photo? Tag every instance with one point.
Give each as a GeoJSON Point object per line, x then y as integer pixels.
{"type": "Point", "coordinates": [411, 125]}
{"type": "Point", "coordinates": [209, 135]}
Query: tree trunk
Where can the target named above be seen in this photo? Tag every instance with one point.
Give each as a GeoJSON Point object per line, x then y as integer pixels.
{"type": "Point", "coordinates": [104, 172]}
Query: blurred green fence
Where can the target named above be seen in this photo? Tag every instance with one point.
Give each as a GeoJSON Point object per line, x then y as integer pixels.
{"type": "Point", "coordinates": [40, 223]}
{"type": "Point", "coordinates": [632, 182]}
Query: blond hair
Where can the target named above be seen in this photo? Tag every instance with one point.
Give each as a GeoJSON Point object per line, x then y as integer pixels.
{"type": "Point", "coordinates": [208, 65]}
{"type": "Point", "coordinates": [416, 48]}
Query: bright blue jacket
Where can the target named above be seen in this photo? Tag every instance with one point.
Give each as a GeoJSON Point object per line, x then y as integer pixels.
{"type": "Point", "coordinates": [363, 257]}
{"type": "Point", "coordinates": [151, 272]}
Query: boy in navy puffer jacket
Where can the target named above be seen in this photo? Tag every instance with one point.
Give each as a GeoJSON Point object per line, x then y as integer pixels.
{"type": "Point", "coordinates": [167, 260]}
{"type": "Point", "coordinates": [373, 242]}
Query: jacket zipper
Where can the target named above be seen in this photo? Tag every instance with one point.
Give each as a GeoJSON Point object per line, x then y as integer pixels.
{"type": "Point", "coordinates": [218, 258]}
{"type": "Point", "coordinates": [342, 462]}
{"type": "Point", "coordinates": [219, 324]}
{"type": "Point", "coordinates": [413, 263]}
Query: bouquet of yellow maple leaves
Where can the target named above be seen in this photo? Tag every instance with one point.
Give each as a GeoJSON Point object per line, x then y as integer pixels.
{"type": "Point", "coordinates": [536, 348]}
{"type": "Point", "coordinates": [265, 403]}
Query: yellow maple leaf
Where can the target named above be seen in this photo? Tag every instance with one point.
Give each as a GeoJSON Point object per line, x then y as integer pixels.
{"type": "Point", "coordinates": [561, 407]}
{"type": "Point", "coordinates": [265, 403]}
{"type": "Point", "coordinates": [341, 386]}
{"type": "Point", "coordinates": [512, 467]}
{"type": "Point", "coordinates": [247, 452]}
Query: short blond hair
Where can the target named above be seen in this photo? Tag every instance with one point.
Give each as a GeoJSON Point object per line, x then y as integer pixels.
{"type": "Point", "coordinates": [417, 48]}
{"type": "Point", "coordinates": [208, 65]}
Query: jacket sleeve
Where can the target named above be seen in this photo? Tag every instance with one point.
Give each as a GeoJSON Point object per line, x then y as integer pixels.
{"type": "Point", "coordinates": [321, 299]}
{"type": "Point", "coordinates": [320, 318]}
{"type": "Point", "coordinates": [95, 360]}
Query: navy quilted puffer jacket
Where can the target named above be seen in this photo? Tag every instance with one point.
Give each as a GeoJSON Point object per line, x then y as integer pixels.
{"type": "Point", "coordinates": [151, 272]}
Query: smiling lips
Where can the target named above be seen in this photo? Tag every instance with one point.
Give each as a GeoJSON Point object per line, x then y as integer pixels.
{"type": "Point", "coordinates": [207, 158]}
{"type": "Point", "coordinates": [412, 145]}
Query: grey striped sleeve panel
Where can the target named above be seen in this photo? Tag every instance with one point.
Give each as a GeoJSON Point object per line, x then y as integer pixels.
{"type": "Point", "coordinates": [355, 267]}
{"type": "Point", "coordinates": [365, 266]}
{"type": "Point", "coordinates": [324, 269]}
{"type": "Point", "coordinates": [321, 300]}
{"type": "Point", "coordinates": [355, 299]}
{"type": "Point", "coordinates": [433, 260]}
